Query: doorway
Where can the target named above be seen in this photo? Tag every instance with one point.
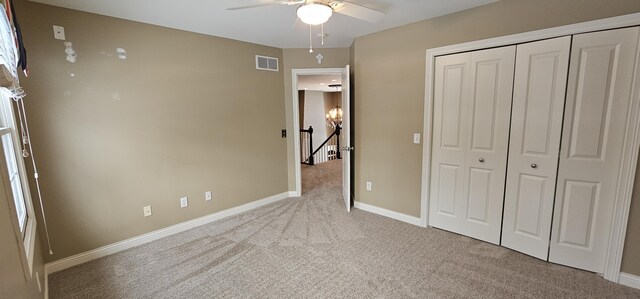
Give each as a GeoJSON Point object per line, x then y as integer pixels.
{"type": "Point", "coordinates": [327, 121]}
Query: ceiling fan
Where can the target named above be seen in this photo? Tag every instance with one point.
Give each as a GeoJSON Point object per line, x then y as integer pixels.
{"type": "Point", "coordinates": [323, 11]}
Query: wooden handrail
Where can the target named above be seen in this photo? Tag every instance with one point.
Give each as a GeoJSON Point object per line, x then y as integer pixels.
{"type": "Point", "coordinates": [336, 132]}
{"type": "Point", "coordinates": [310, 160]}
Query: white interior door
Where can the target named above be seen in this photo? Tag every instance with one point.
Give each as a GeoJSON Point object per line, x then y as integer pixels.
{"type": "Point", "coordinates": [451, 97]}
{"type": "Point", "coordinates": [471, 132]}
{"type": "Point", "coordinates": [536, 123]}
{"type": "Point", "coordinates": [346, 139]}
{"type": "Point", "coordinates": [595, 122]}
{"type": "Point", "coordinates": [487, 143]}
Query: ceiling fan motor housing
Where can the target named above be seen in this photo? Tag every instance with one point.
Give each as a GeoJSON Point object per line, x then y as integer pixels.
{"type": "Point", "coordinates": [314, 13]}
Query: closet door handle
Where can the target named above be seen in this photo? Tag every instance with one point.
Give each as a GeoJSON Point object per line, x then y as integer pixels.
{"type": "Point", "coordinates": [533, 165]}
{"type": "Point", "coordinates": [481, 160]}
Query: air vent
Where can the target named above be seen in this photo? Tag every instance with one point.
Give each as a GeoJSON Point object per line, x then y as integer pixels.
{"type": "Point", "coordinates": [266, 63]}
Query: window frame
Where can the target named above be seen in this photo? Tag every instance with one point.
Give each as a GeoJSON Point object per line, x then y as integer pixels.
{"type": "Point", "coordinates": [27, 238]}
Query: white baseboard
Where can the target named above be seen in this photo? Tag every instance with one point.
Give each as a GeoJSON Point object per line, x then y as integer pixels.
{"type": "Point", "coordinates": [294, 194]}
{"type": "Point", "coordinates": [387, 213]}
{"type": "Point", "coordinates": [629, 280]}
{"type": "Point", "coordinates": [84, 257]}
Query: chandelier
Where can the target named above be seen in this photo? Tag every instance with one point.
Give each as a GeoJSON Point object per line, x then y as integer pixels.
{"type": "Point", "coordinates": [334, 117]}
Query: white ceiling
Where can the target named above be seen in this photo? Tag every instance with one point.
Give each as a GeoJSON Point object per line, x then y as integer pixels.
{"type": "Point", "coordinates": [319, 82]}
{"type": "Point", "coordinates": [269, 25]}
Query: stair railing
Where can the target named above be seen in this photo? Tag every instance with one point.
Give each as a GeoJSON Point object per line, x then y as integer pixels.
{"type": "Point", "coordinates": [306, 146]}
{"type": "Point", "coordinates": [327, 151]}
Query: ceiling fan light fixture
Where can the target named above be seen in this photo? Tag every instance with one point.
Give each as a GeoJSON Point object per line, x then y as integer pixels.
{"type": "Point", "coordinates": [314, 14]}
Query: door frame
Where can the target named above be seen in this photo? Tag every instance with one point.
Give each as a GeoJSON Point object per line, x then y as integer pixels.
{"type": "Point", "coordinates": [296, 118]}
{"type": "Point", "coordinates": [631, 141]}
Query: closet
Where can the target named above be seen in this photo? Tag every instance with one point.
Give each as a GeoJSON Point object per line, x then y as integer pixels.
{"type": "Point", "coordinates": [528, 142]}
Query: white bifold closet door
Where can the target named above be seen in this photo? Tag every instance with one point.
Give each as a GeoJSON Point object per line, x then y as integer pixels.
{"type": "Point", "coordinates": [536, 124]}
{"type": "Point", "coordinates": [472, 103]}
{"type": "Point", "coordinates": [595, 122]}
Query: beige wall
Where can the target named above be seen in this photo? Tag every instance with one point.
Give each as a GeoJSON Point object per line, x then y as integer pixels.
{"type": "Point", "coordinates": [302, 59]}
{"type": "Point", "coordinates": [389, 85]}
{"type": "Point", "coordinates": [301, 109]}
{"type": "Point", "coordinates": [183, 114]}
{"type": "Point", "coordinates": [13, 282]}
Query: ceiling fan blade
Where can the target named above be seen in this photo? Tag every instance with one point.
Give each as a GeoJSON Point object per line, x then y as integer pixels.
{"type": "Point", "coordinates": [268, 3]}
{"type": "Point", "coordinates": [357, 11]}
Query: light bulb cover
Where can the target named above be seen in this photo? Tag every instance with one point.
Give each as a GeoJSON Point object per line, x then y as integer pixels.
{"type": "Point", "coordinates": [314, 14]}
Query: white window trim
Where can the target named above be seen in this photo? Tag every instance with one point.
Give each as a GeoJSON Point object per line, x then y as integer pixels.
{"type": "Point", "coordinates": [27, 241]}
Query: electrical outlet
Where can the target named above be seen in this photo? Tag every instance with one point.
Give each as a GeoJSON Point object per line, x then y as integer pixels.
{"type": "Point", "coordinates": [369, 186]}
{"type": "Point", "coordinates": [58, 32]}
{"type": "Point", "coordinates": [416, 138]}
{"type": "Point", "coordinates": [147, 211]}
{"type": "Point", "coordinates": [184, 202]}
{"type": "Point", "coordinates": [207, 195]}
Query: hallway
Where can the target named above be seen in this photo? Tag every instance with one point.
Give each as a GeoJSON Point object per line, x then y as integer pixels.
{"type": "Point", "coordinates": [323, 178]}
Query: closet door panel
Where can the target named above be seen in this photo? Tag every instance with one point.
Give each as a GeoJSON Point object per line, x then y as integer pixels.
{"type": "Point", "coordinates": [478, 201]}
{"type": "Point", "coordinates": [488, 137]}
{"type": "Point", "coordinates": [530, 205]}
{"type": "Point", "coordinates": [596, 115]}
{"type": "Point", "coordinates": [451, 95]}
{"type": "Point", "coordinates": [538, 102]}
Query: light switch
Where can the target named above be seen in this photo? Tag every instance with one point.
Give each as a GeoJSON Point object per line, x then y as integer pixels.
{"type": "Point", "coordinates": [416, 138]}
{"type": "Point", "coordinates": [184, 202]}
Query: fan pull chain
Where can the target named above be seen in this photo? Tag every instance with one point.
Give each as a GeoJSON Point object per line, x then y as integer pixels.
{"type": "Point", "coordinates": [310, 41]}
{"type": "Point", "coordinates": [322, 34]}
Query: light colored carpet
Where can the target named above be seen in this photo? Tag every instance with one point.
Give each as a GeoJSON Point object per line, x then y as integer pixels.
{"type": "Point", "coordinates": [311, 247]}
